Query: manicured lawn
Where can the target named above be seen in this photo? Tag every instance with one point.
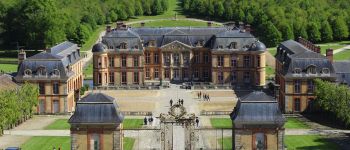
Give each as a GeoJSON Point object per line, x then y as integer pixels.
{"type": "Point", "coordinates": [306, 142]}
{"type": "Point", "coordinates": [174, 23]}
{"type": "Point", "coordinates": [88, 71]}
{"type": "Point", "coordinates": [132, 123]}
{"type": "Point", "coordinates": [6, 60]}
{"type": "Point", "coordinates": [344, 55]}
{"type": "Point", "coordinates": [41, 143]}
{"type": "Point", "coordinates": [8, 67]}
{"type": "Point", "coordinates": [294, 123]}
{"type": "Point", "coordinates": [59, 124]}
{"type": "Point", "coordinates": [128, 143]}
{"type": "Point", "coordinates": [227, 143]}
{"type": "Point", "coordinates": [334, 47]}
{"type": "Point", "coordinates": [221, 122]}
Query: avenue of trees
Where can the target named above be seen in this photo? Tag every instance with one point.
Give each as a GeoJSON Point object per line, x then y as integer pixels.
{"type": "Point", "coordinates": [278, 20]}
{"type": "Point", "coordinates": [38, 24]}
{"type": "Point", "coordinates": [17, 105]}
{"type": "Point", "coordinates": [335, 100]}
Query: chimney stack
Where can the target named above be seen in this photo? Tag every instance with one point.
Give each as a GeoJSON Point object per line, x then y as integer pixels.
{"type": "Point", "coordinates": [247, 28]}
{"type": "Point", "coordinates": [143, 24]}
{"type": "Point", "coordinates": [108, 28]}
{"type": "Point", "coordinates": [120, 25]}
{"type": "Point", "coordinates": [329, 54]}
{"type": "Point", "coordinates": [210, 24]}
{"type": "Point", "coordinates": [21, 56]}
{"type": "Point", "coordinates": [241, 25]}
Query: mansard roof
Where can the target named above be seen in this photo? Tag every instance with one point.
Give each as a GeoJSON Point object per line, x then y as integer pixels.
{"type": "Point", "coordinates": [342, 69]}
{"type": "Point", "coordinates": [216, 38]}
{"type": "Point", "coordinates": [97, 108]}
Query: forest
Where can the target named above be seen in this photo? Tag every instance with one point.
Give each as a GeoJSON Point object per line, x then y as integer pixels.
{"type": "Point", "coordinates": [278, 20]}
{"type": "Point", "coordinates": [39, 24]}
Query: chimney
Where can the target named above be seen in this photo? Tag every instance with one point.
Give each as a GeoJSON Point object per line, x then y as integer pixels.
{"type": "Point", "coordinates": [143, 24]}
{"type": "Point", "coordinates": [247, 28]}
{"type": "Point", "coordinates": [329, 54]}
{"type": "Point", "coordinates": [21, 56]}
{"type": "Point", "coordinates": [108, 28]}
{"type": "Point", "coordinates": [210, 24]}
{"type": "Point", "coordinates": [318, 49]}
{"type": "Point", "coordinates": [241, 25]}
{"type": "Point", "coordinates": [119, 24]}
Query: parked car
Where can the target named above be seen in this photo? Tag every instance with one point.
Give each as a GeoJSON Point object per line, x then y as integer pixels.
{"type": "Point", "coordinates": [13, 148]}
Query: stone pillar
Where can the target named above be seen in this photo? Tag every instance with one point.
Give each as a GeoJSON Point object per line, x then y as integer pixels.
{"type": "Point", "coordinates": [117, 140]}
{"type": "Point", "coordinates": [280, 139]}
{"type": "Point", "coordinates": [73, 141]}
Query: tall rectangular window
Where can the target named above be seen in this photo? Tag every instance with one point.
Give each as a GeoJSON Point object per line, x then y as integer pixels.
{"type": "Point", "coordinates": [99, 62]}
{"type": "Point", "coordinates": [55, 87]}
{"type": "Point", "coordinates": [310, 86]}
{"type": "Point", "coordinates": [105, 62]}
{"type": "Point", "coordinates": [206, 73]}
{"type": "Point", "coordinates": [220, 61]}
{"type": "Point", "coordinates": [156, 73]}
{"type": "Point", "coordinates": [234, 76]}
{"type": "Point", "coordinates": [196, 73]}
{"type": "Point", "coordinates": [220, 77]}
{"type": "Point", "coordinates": [111, 77]}
{"type": "Point", "coordinates": [297, 104]}
{"type": "Point", "coordinates": [297, 86]}
{"type": "Point", "coordinates": [206, 58]}
{"type": "Point", "coordinates": [234, 61]}
{"type": "Point", "coordinates": [246, 77]}
{"type": "Point", "coordinates": [99, 78]}
{"type": "Point", "coordinates": [95, 142]}
{"type": "Point", "coordinates": [111, 61]}
{"type": "Point", "coordinates": [136, 77]}
{"type": "Point", "coordinates": [148, 73]}
{"type": "Point", "coordinates": [184, 73]}
{"type": "Point", "coordinates": [124, 81]}
{"type": "Point", "coordinates": [148, 58]}
{"type": "Point", "coordinates": [167, 73]}
{"type": "Point", "coordinates": [196, 57]}
{"type": "Point", "coordinates": [41, 88]}
{"type": "Point", "coordinates": [156, 58]}
{"type": "Point", "coordinates": [123, 61]}
{"type": "Point", "coordinates": [136, 61]}
{"type": "Point", "coordinates": [186, 58]}
{"type": "Point", "coordinates": [176, 57]}
{"type": "Point", "coordinates": [258, 61]}
{"type": "Point", "coordinates": [166, 59]}
{"type": "Point", "coordinates": [246, 60]}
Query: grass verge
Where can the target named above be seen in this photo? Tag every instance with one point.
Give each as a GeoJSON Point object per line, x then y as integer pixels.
{"type": "Point", "coordinates": [7, 68]}
{"type": "Point", "coordinates": [295, 123]}
{"type": "Point", "coordinates": [304, 142]}
{"type": "Point", "coordinates": [221, 122]}
{"type": "Point", "coordinates": [344, 55]}
{"type": "Point", "coordinates": [225, 143]}
{"type": "Point", "coordinates": [128, 143]}
{"type": "Point", "coordinates": [88, 71]}
{"type": "Point", "coordinates": [46, 142]}
{"type": "Point", "coordinates": [132, 123]}
{"type": "Point", "coordinates": [59, 124]}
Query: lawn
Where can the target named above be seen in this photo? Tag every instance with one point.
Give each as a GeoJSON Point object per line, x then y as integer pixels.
{"type": "Point", "coordinates": [93, 38]}
{"type": "Point", "coordinates": [46, 142]}
{"type": "Point", "coordinates": [132, 123]}
{"type": "Point", "coordinates": [59, 124]}
{"type": "Point", "coordinates": [88, 71]}
{"type": "Point", "coordinates": [303, 142]}
{"type": "Point", "coordinates": [272, 50]}
{"type": "Point", "coordinates": [8, 67]}
{"type": "Point", "coordinates": [221, 122]}
{"type": "Point", "coordinates": [227, 143]}
{"type": "Point", "coordinates": [270, 72]}
{"type": "Point", "coordinates": [174, 23]}
{"type": "Point", "coordinates": [128, 143]}
{"type": "Point", "coordinates": [332, 46]}
{"type": "Point", "coordinates": [344, 55]}
{"type": "Point", "coordinates": [295, 123]}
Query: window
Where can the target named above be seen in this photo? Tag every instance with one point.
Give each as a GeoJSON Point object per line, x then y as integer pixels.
{"type": "Point", "coordinates": [56, 72]}
{"type": "Point", "coordinates": [95, 142]}
{"type": "Point", "coordinates": [206, 58]}
{"type": "Point", "coordinates": [234, 61]}
{"type": "Point", "coordinates": [166, 59]}
{"type": "Point", "coordinates": [220, 77]}
{"type": "Point", "coordinates": [186, 58]}
{"type": "Point", "coordinates": [99, 62]}
{"type": "Point", "coordinates": [27, 72]}
{"type": "Point", "coordinates": [233, 45]}
{"type": "Point", "coordinates": [310, 86]}
{"type": "Point", "coordinates": [41, 71]}
{"type": "Point", "coordinates": [99, 80]}
{"type": "Point", "coordinates": [246, 77]}
{"type": "Point", "coordinates": [184, 73]}
{"type": "Point", "coordinates": [41, 88]}
{"type": "Point", "coordinates": [196, 73]}
{"type": "Point", "coordinates": [167, 73]}
{"type": "Point", "coordinates": [311, 70]}
{"type": "Point", "coordinates": [206, 73]}
{"type": "Point", "coordinates": [176, 73]}
{"type": "Point", "coordinates": [111, 77]}
{"type": "Point", "coordinates": [297, 86]}
{"type": "Point", "coordinates": [325, 71]}
{"type": "Point", "coordinates": [123, 45]}
{"type": "Point", "coordinates": [200, 43]}
{"type": "Point", "coordinates": [156, 58]}
{"type": "Point", "coordinates": [234, 76]}
{"type": "Point", "coordinates": [136, 61]}
{"type": "Point", "coordinates": [297, 70]}
{"type": "Point", "coordinates": [124, 78]}
{"type": "Point", "coordinates": [260, 141]}
{"type": "Point", "coordinates": [105, 60]}
{"type": "Point", "coordinates": [136, 77]}
{"type": "Point", "coordinates": [196, 58]}
{"type": "Point", "coordinates": [156, 73]}
{"type": "Point", "coordinates": [152, 43]}
{"type": "Point", "coordinates": [123, 61]}
{"type": "Point", "coordinates": [111, 61]}
{"type": "Point", "coordinates": [55, 87]}
{"type": "Point", "coordinates": [148, 58]}
{"type": "Point", "coordinates": [258, 61]}
{"type": "Point", "coordinates": [147, 73]}
{"type": "Point", "coordinates": [246, 61]}
{"type": "Point", "coordinates": [176, 57]}
{"type": "Point", "coordinates": [297, 104]}
{"type": "Point", "coordinates": [220, 61]}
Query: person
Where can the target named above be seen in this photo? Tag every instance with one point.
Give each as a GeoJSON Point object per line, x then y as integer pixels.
{"type": "Point", "coordinates": [145, 121]}
{"type": "Point", "coordinates": [200, 94]}
{"type": "Point", "coordinates": [208, 97]}
{"type": "Point", "coordinates": [171, 102]}
{"type": "Point", "coordinates": [197, 121]}
{"type": "Point", "coordinates": [182, 102]}
{"type": "Point", "coordinates": [150, 120]}
{"type": "Point", "coordinates": [197, 95]}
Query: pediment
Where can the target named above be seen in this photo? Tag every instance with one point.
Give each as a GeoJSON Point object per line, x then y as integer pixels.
{"type": "Point", "coordinates": [176, 45]}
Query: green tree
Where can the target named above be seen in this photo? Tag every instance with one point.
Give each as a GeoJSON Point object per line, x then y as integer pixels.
{"type": "Point", "coordinates": [313, 32]}
{"type": "Point", "coordinates": [219, 9]}
{"type": "Point", "coordinates": [326, 32]}
{"type": "Point", "coordinates": [138, 8]}
{"type": "Point", "coordinates": [340, 29]}
{"type": "Point", "coordinates": [287, 32]}
{"type": "Point", "coordinates": [157, 7]}
{"type": "Point", "coordinates": [271, 36]}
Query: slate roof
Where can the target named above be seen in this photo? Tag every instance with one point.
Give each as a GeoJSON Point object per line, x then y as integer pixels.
{"type": "Point", "coordinates": [294, 55]}
{"type": "Point", "coordinates": [342, 70]}
{"type": "Point", "coordinates": [96, 108]}
{"type": "Point", "coordinates": [58, 58]}
{"type": "Point", "coordinates": [257, 108]}
{"type": "Point", "coordinates": [212, 37]}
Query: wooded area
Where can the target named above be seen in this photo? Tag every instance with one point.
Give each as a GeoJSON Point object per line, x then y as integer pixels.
{"type": "Point", "coordinates": [335, 100]}
{"type": "Point", "coordinates": [279, 20]}
{"type": "Point", "coordinates": [38, 24]}
{"type": "Point", "coordinates": [17, 105]}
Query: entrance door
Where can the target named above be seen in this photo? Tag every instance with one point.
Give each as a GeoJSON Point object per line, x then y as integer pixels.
{"type": "Point", "coordinates": [176, 74]}
{"type": "Point", "coordinates": [41, 106]}
{"type": "Point", "coordinates": [56, 106]}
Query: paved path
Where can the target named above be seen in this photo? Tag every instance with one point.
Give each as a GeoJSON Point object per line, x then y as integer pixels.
{"type": "Point", "coordinates": [341, 49]}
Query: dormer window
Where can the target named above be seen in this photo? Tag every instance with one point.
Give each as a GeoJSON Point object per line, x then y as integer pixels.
{"type": "Point", "coordinates": [41, 71]}
{"type": "Point", "coordinates": [297, 70]}
{"type": "Point", "coordinates": [136, 47]}
{"type": "Point", "coordinates": [200, 43]}
{"type": "Point", "coordinates": [325, 71]}
{"type": "Point", "coordinates": [152, 43]}
{"type": "Point", "coordinates": [220, 47]}
{"type": "Point", "coordinates": [311, 69]}
{"type": "Point", "coordinates": [69, 58]}
{"type": "Point", "coordinates": [111, 47]}
{"type": "Point", "coordinates": [56, 72]}
{"type": "Point", "coordinates": [233, 45]}
{"type": "Point", "coordinates": [123, 45]}
{"type": "Point", "coordinates": [27, 72]}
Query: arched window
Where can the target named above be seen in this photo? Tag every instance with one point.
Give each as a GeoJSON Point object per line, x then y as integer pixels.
{"type": "Point", "coordinates": [123, 45]}
{"type": "Point", "coordinates": [41, 71]}
{"type": "Point", "coordinates": [297, 70]}
{"type": "Point", "coordinates": [56, 72]}
{"type": "Point", "coordinates": [27, 72]}
{"type": "Point", "coordinates": [311, 69]}
{"type": "Point", "coordinates": [325, 71]}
